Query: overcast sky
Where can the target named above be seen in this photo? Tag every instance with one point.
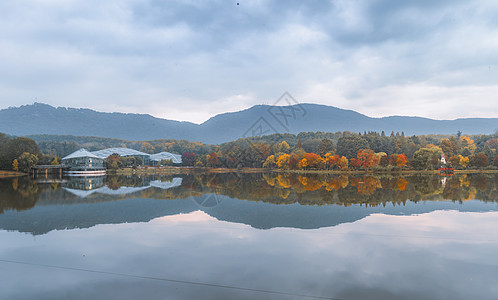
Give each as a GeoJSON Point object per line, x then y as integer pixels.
{"type": "Point", "coordinates": [189, 60]}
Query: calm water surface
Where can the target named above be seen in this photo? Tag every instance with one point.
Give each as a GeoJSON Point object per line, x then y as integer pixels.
{"type": "Point", "coordinates": [249, 236]}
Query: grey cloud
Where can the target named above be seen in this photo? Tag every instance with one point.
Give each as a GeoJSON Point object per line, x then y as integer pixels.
{"type": "Point", "coordinates": [120, 53]}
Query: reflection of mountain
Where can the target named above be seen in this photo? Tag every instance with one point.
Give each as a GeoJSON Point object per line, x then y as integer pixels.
{"type": "Point", "coordinates": [268, 200]}
{"type": "Point", "coordinates": [42, 219]}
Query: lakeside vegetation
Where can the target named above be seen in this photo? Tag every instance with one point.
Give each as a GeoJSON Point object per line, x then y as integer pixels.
{"type": "Point", "coordinates": [368, 151]}
{"type": "Point", "coordinates": [308, 151]}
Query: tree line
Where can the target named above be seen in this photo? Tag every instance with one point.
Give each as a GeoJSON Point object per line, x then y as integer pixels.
{"type": "Point", "coordinates": [21, 154]}
{"type": "Point", "coordinates": [304, 151]}
{"type": "Point", "coordinates": [367, 151]}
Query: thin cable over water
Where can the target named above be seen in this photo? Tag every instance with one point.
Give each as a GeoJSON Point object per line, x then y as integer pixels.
{"type": "Point", "coordinates": [168, 280]}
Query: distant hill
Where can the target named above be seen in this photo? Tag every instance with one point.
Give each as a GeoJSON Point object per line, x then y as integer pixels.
{"type": "Point", "coordinates": [41, 118]}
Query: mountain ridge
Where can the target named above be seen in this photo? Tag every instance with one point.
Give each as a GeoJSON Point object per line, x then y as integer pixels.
{"type": "Point", "coordinates": [40, 118]}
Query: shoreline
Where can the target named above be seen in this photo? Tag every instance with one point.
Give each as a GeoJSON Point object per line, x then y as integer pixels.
{"type": "Point", "coordinates": [9, 174]}
{"type": "Point", "coordinates": [189, 170]}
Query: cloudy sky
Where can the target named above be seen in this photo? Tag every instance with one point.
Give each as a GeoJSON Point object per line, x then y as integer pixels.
{"type": "Point", "coordinates": [189, 60]}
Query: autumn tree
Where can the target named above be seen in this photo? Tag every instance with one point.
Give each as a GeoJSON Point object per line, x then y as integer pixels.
{"type": "Point", "coordinates": [492, 143]}
{"type": "Point", "coordinates": [467, 145]}
{"type": "Point", "coordinates": [212, 160]}
{"type": "Point", "coordinates": [15, 165]}
{"type": "Point", "coordinates": [188, 159]}
{"type": "Point", "coordinates": [283, 161]}
{"type": "Point", "coordinates": [55, 161]}
{"type": "Point", "coordinates": [113, 161]}
{"type": "Point", "coordinates": [147, 148]}
{"type": "Point", "coordinates": [449, 147]}
{"type": "Point", "coordinates": [454, 161]}
{"type": "Point", "coordinates": [312, 161]}
{"type": "Point", "coordinates": [366, 158]}
{"type": "Point", "coordinates": [343, 163]}
{"type": "Point", "coordinates": [270, 162]}
{"type": "Point", "coordinates": [384, 161]}
{"type": "Point", "coordinates": [401, 160]}
{"type": "Point", "coordinates": [478, 161]}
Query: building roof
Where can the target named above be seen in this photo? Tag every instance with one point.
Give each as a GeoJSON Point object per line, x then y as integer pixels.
{"type": "Point", "coordinates": [121, 151]}
{"type": "Point", "coordinates": [177, 159]}
{"type": "Point", "coordinates": [81, 153]}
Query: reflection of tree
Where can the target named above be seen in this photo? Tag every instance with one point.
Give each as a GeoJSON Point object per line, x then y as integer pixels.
{"type": "Point", "coordinates": [366, 185]}
{"type": "Point", "coordinates": [18, 193]}
{"type": "Point", "coordinates": [320, 189]}
{"type": "Point", "coordinates": [336, 183]}
{"type": "Point", "coordinates": [277, 188]}
{"type": "Point", "coordinates": [427, 185]}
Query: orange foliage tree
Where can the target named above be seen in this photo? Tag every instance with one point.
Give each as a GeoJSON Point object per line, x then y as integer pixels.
{"type": "Point", "coordinates": [401, 160]}
{"type": "Point", "coordinates": [366, 158]}
{"type": "Point", "coordinates": [312, 161]}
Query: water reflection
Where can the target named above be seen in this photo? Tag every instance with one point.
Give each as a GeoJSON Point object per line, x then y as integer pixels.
{"type": "Point", "coordinates": [23, 193]}
{"type": "Point", "coordinates": [438, 255]}
{"type": "Point", "coordinates": [310, 201]}
{"type": "Point", "coordinates": [85, 186]}
{"type": "Point", "coordinates": [346, 237]}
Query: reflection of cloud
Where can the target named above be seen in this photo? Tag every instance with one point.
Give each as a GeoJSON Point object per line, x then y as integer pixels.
{"type": "Point", "coordinates": [437, 255]}
{"type": "Point", "coordinates": [194, 217]}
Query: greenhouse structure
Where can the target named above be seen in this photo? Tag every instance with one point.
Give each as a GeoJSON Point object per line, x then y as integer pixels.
{"type": "Point", "coordinates": [85, 160]}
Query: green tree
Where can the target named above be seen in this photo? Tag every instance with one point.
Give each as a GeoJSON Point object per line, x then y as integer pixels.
{"type": "Point", "coordinates": [449, 147]}
{"type": "Point", "coordinates": [426, 158]}
{"type": "Point", "coordinates": [350, 145]}
{"type": "Point", "coordinates": [27, 161]}
{"type": "Point", "coordinates": [166, 162]}
{"type": "Point", "coordinates": [326, 146]}
{"type": "Point", "coordinates": [299, 144]}
{"type": "Point", "coordinates": [112, 162]}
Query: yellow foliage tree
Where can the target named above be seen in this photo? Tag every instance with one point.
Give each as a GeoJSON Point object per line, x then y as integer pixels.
{"type": "Point", "coordinates": [303, 163]}
{"type": "Point", "coordinates": [283, 161]}
{"type": "Point", "coordinates": [15, 165]}
{"type": "Point", "coordinates": [343, 163]}
{"type": "Point", "coordinates": [468, 144]}
{"type": "Point", "coordinates": [270, 162]}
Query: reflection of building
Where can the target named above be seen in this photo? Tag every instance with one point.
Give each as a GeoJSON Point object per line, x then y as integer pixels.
{"type": "Point", "coordinates": [83, 162]}
{"type": "Point", "coordinates": [84, 183]}
{"type": "Point", "coordinates": [85, 186]}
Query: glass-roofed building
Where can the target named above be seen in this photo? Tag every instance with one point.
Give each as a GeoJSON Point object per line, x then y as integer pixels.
{"type": "Point", "coordinates": [156, 158]}
{"type": "Point", "coordinates": [83, 162]}
{"type": "Point", "coordinates": [105, 153]}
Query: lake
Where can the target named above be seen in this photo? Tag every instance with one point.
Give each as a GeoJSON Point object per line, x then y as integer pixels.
{"type": "Point", "coordinates": [249, 236]}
